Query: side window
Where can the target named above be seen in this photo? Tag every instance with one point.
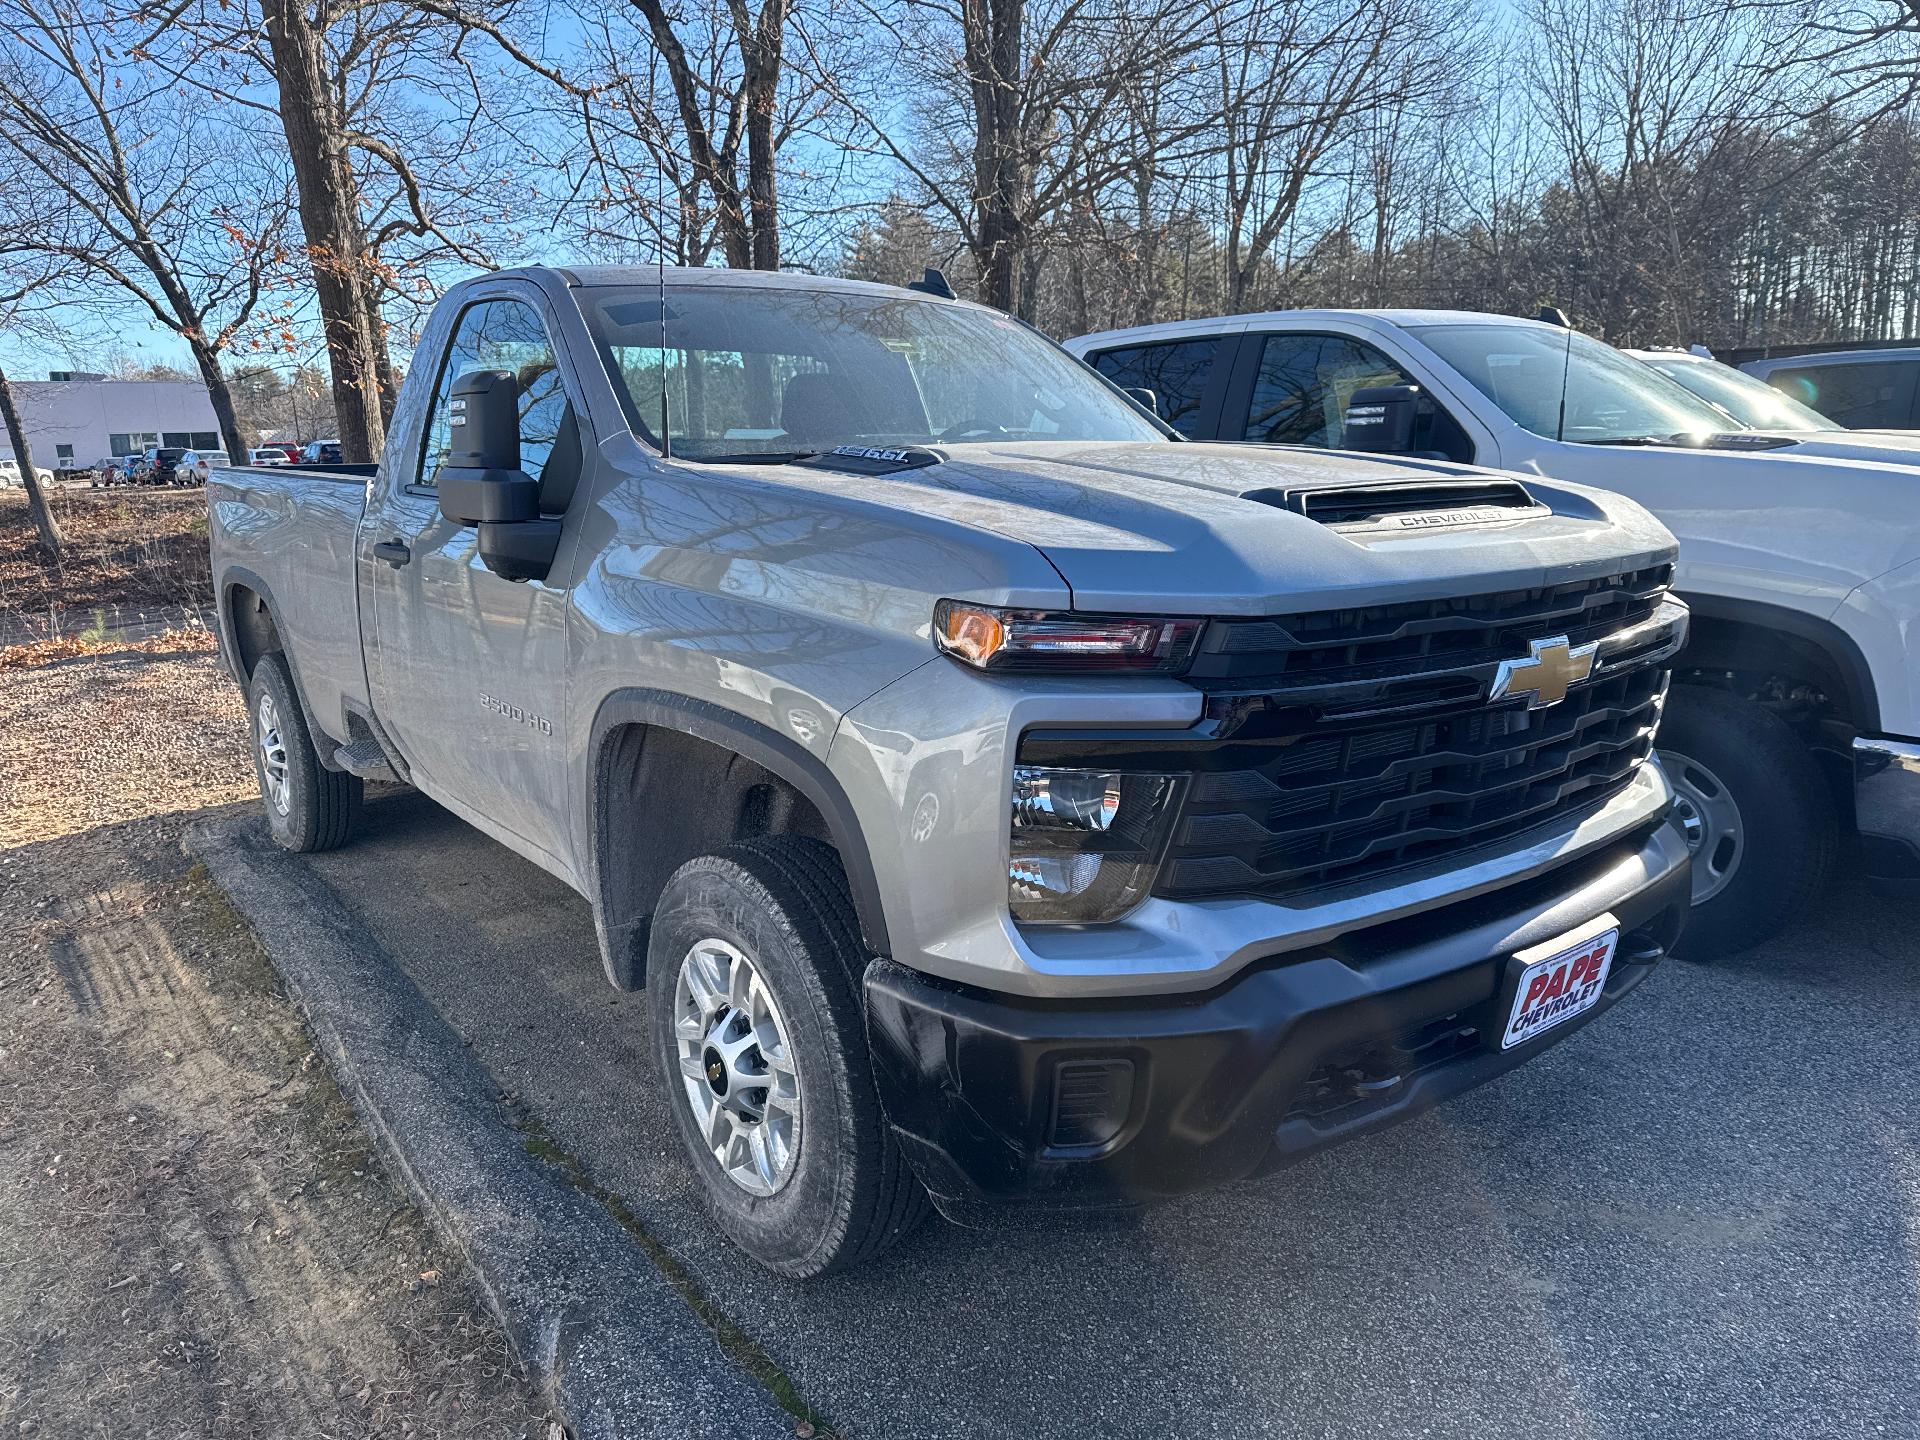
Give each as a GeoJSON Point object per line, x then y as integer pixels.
{"type": "Point", "coordinates": [1300, 392]}
{"type": "Point", "coordinates": [502, 335]}
{"type": "Point", "coordinates": [1176, 372]}
{"type": "Point", "coordinates": [1302, 386]}
{"type": "Point", "coordinates": [1869, 395]}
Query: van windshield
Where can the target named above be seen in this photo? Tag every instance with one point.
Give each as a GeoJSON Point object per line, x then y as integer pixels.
{"type": "Point", "coordinates": [1610, 398]}
{"type": "Point", "coordinates": [767, 372]}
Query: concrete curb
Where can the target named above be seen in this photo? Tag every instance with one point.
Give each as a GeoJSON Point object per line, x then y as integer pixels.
{"type": "Point", "coordinates": [615, 1347]}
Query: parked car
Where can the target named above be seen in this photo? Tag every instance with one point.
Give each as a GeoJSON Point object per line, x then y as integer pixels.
{"type": "Point", "coordinates": [1757, 405]}
{"type": "Point", "coordinates": [160, 465]}
{"type": "Point", "coordinates": [1201, 808]}
{"type": "Point", "coordinates": [1796, 708]}
{"type": "Point", "coordinates": [268, 455]}
{"type": "Point", "coordinates": [1860, 389]}
{"type": "Point", "coordinates": [321, 452]}
{"type": "Point", "coordinates": [195, 465]}
{"type": "Point", "coordinates": [10, 472]}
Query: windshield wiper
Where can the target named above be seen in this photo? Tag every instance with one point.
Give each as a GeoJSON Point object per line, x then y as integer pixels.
{"type": "Point", "coordinates": [1668, 440]}
{"type": "Point", "coordinates": [751, 457]}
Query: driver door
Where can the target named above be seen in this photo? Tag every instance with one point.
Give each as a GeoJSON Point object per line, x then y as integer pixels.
{"type": "Point", "coordinates": [469, 676]}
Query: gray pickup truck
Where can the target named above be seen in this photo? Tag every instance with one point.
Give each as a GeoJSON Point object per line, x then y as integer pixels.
{"type": "Point", "coordinates": [1004, 801]}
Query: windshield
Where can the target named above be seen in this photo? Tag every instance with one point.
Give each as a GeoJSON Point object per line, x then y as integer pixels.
{"type": "Point", "coordinates": [1749, 400]}
{"type": "Point", "coordinates": [769, 371]}
{"type": "Point", "coordinates": [1609, 397]}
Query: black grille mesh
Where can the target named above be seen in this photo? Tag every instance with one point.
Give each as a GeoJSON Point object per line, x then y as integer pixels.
{"type": "Point", "coordinates": [1334, 802]}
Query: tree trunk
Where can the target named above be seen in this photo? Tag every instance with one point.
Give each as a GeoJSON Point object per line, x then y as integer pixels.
{"type": "Point", "coordinates": [994, 57]}
{"type": "Point", "coordinates": [43, 520]}
{"type": "Point", "coordinates": [764, 46]}
{"type": "Point", "coordinates": [225, 415]}
{"type": "Point", "coordinates": [329, 214]}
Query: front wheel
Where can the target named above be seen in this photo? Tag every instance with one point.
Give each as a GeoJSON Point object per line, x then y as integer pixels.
{"type": "Point", "coordinates": [1757, 813]}
{"type": "Point", "coordinates": [753, 966]}
{"type": "Point", "coordinates": [309, 807]}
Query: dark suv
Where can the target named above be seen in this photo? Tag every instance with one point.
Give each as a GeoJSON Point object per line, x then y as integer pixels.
{"type": "Point", "coordinates": [161, 465]}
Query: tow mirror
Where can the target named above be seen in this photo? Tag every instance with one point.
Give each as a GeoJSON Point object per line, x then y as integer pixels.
{"type": "Point", "coordinates": [1145, 397]}
{"type": "Point", "coordinates": [1380, 419]}
{"type": "Point", "coordinates": [481, 483]}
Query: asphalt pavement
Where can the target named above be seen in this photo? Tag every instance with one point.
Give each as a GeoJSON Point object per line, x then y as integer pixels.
{"type": "Point", "coordinates": [1698, 1217]}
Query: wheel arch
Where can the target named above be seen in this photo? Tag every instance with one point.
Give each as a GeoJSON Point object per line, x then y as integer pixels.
{"type": "Point", "coordinates": [248, 629]}
{"type": "Point", "coordinates": [649, 748]}
{"type": "Point", "coordinates": [1751, 635]}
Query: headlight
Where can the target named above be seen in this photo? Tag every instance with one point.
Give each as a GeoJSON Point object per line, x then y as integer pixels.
{"type": "Point", "coordinates": [987, 637]}
{"type": "Point", "coordinates": [1086, 844]}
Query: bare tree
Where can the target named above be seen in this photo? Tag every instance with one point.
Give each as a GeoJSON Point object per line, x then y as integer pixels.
{"type": "Point", "coordinates": [1297, 82]}
{"type": "Point", "coordinates": [683, 115]}
{"type": "Point", "coordinates": [1014, 127]}
{"type": "Point", "coordinates": [398, 161]}
{"type": "Point", "coordinates": [28, 278]}
{"type": "Point", "coordinates": [161, 203]}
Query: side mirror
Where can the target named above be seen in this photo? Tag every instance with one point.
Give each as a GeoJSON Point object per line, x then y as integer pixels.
{"type": "Point", "coordinates": [1380, 419]}
{"type": "Point", "coordinates": [1145, 397]}
{"type": "Point", "coordinates": [481, 482]}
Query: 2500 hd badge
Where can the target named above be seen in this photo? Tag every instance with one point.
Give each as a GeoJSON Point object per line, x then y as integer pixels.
{"type": "Point", "coordinates": [1550, 991]}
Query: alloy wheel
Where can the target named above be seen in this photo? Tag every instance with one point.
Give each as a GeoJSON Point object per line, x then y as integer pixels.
{"type": "Point", "coordinates": [737, 1066]}
{"type": "Point", "coordinates": [273, 755]}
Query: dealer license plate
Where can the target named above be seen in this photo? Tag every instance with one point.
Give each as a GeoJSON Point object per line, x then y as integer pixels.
{"type": "Point", "coordinates": [1564, 981]}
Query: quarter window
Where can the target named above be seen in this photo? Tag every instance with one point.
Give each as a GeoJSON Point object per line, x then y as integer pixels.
{"type": "Point", "coordinates": [501, 335]}
{"type": "Point", "coordinates": [1176, 373]}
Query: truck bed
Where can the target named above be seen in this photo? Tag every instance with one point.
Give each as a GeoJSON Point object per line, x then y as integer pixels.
{"type": "Point", "coordinates": [292, 534]}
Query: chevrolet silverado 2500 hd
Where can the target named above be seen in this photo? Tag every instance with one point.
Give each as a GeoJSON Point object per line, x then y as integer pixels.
{"type": "Point", "coordinates": [999, 799]}
{"type": "Point", "coordinates": [1795, 714]}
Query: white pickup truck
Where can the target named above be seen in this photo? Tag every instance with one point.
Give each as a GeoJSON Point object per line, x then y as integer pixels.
{"type": "Point", "coordinates": [1795, 714]}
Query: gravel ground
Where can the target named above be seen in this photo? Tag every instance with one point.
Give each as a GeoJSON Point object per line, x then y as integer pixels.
{"type": "Point", "coordinates": [194, 1237]}
{"type": "Point", "coordinates": [109, 738]}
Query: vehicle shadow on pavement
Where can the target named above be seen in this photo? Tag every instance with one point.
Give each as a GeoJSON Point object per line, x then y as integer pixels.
{"type": "Point", "coordinates": [1698, 1216]}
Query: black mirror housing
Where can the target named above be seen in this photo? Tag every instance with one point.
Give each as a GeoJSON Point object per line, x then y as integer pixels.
{"type": "Point", "coordinates": [481, 482]}
{"type": "Point", "coordinates": [1380, 419]}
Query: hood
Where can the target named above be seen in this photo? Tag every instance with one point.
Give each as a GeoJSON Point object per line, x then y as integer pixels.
{"type": "Point", "coordinates": [1219, 529]}
{"type": "Point", "coordinates": [1897, 447]}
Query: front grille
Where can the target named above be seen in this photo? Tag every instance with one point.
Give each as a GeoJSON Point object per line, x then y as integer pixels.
{"type": "Point", "coordinates": [1368, 744]}
{"type": "Point", "coordinates": [1332, 645]}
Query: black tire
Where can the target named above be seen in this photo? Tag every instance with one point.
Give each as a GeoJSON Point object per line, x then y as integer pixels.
{"type": "Point", "coordinates": [782, 901]}
{"type": "Point", "coordinates": [1719, 749]}
{"type": "Point", "coordinates": [315, 808]}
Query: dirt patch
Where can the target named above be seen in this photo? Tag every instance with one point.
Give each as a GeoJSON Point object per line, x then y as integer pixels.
{"type": "Point", "coordinates": [35, 653]}
{"type": "Point", "coordinates": [197, 1238]}
{"type": "Point", "coordinates": [111, 738]}
{"type": "Point", "coordinates": [126, 551]}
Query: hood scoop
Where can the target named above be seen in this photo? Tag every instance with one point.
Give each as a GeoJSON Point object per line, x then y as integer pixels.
{"type": "Point", "coordinates": [1400, 505]}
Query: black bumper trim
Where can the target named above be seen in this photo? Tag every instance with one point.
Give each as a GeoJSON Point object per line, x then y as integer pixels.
{"type": "Point", "coordinates": [1235, 1081]}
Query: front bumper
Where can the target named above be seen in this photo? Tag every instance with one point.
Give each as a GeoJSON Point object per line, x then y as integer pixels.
{"type": "Point", "coordinates": [1005, 1104]}
{"type": "Point", "coordinates": [1886, 805]}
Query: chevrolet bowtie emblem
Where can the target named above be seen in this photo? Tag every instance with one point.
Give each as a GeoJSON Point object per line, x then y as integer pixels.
{"type": "Point", "coordinates": [1546, 675]}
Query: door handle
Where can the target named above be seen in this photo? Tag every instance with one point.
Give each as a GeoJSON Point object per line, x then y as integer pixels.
{"type": "Point", "coordinates": [394, 552]}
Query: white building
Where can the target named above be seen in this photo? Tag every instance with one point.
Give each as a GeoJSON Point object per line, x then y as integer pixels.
{"type": "Point", "coordinates": [78, 419]}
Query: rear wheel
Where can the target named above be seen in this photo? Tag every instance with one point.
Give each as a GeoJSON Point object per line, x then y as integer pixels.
{"type": "Point", "coordinates": [1757, 813]}
{"type": "Point", "coordinates": [753, 966]}
{"type": "Point", "coordinates": [309, 807]}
